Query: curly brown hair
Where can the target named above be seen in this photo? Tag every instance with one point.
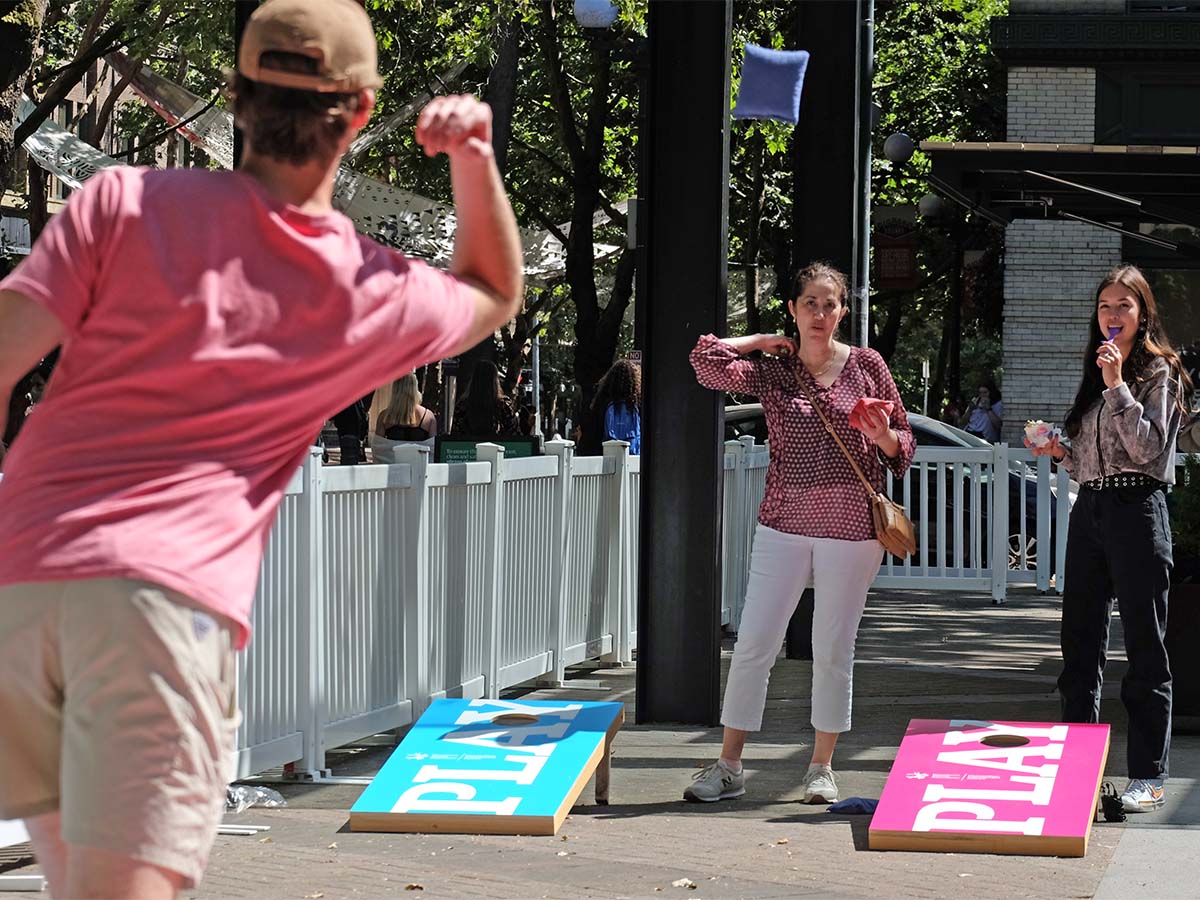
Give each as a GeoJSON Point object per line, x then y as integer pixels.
{"type": "Point", "coordinates": [290, 125]}
{"type": "Point", "coordinates": [622, 383]}
{"type": "Point", "coordinates": [818, 270]}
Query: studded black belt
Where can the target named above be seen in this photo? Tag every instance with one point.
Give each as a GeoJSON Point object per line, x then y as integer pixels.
{"type": "Point", "coordinates": [1123, 480]}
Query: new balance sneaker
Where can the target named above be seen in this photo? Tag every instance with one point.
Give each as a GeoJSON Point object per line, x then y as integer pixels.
{"type": "Point", "coordinates": [1143, 795]}
{"type": "Point", "coordinates": [716, 782]}
{"type": "Point", "coordinates": [820, 786]}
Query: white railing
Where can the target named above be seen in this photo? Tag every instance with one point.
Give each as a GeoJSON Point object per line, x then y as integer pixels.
{"type": "Point", "coordinates": [385, 587]}
{"type": "Point", "coordinates": [952, 497]}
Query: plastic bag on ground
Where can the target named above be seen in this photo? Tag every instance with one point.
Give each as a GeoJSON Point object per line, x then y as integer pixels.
{"type": "Point", "coordinates": [243, 796]}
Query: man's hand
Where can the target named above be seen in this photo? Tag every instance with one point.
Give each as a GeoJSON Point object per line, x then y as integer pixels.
{"type": "Point", "coordinates": [455, 125]}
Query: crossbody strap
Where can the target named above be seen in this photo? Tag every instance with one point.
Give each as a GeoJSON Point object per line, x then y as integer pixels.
{"type": "Point", "coordinates": [833, 434]}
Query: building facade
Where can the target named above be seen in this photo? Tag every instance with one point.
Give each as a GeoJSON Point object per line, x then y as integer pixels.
{"type": "Point", "coordinates": [1100, 166]}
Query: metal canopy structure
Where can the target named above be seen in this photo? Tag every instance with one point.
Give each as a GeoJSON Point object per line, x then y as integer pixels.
{"type": "Point", "coordinates": [1112, 186]}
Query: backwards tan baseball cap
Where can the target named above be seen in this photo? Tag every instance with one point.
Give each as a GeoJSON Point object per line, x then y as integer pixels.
{"type": "Point", "coordinates": [335, 33]}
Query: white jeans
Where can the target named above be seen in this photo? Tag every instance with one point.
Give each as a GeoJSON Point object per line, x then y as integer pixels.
{"type": "Point", "coordinates": [780, 566]}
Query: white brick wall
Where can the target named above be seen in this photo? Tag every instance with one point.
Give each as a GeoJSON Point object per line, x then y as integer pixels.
{"type": "Point", "coordinates": [1056, 105]}
{"type": "Point", "coordinates": [1051, 270]}
{"type": "Point", "coordinates": [1034, 7]}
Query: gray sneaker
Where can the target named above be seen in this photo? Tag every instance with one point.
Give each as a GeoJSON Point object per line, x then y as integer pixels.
{"type": "Point", "coordinates": [819, 785]}
{"type": "Point", "coordinates": [716, 782]}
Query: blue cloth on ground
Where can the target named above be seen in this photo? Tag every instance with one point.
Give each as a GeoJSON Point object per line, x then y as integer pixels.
{"type": "Point", "coordinates": [854, 806]}
{"type": "Point", "coordinates": [772, 81]}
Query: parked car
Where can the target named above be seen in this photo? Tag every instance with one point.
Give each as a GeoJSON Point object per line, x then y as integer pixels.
{"type": "Point", "coordinates": [748, 419]}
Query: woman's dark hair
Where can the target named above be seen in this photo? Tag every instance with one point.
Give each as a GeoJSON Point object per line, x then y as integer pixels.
{"type": "Point", "coordinates": [993, 391]}
{"type": "Point", "coordinates": [622, 383]}
{"type": "Point", "coordinates": [483, 397]}
{"type": "Point", "coordinates": [286, 124]}
{"type": "Point", "coordinates": [818, 271]}
{"type": "Point", "coordinates": [1149, 345]}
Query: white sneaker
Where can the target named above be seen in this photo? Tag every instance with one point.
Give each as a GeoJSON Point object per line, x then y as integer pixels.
{"type": "Point", "coordinates": [820, 786]}
{"type": "Point", "coordinates": [716, 782]}
{"type": "Point", "coordinates": [1143, 795]}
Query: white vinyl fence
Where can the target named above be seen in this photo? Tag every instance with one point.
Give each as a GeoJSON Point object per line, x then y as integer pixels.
{"type": "Point", "coordinates": [385, 587]}
{"type": "Point", "coordinates": [955, 498]}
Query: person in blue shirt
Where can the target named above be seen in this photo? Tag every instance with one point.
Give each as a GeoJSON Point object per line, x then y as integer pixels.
{"type": "Point", "coordinates": [617, 408]}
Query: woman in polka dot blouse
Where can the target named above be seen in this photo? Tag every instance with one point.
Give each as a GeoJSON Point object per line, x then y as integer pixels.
{"type": "Point", "coordinates": [814, 520]}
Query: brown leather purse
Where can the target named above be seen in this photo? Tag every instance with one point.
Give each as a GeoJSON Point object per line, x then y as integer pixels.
{"type": "Point", "coordinates": [893, 528]}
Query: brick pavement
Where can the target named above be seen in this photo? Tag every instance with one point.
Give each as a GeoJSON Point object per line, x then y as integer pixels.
{"type": "Point", "coordinates": [921, 655]}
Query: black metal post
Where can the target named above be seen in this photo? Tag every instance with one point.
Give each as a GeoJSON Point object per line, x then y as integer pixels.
{"type": "Point", "coordinates": [679, 602]}
{"type": "Point", "coordinates": [826, 163]}
{"type": "Point", "coordinates": [861, 280]}
{"type": "Point", "coordinates": [242, 11]}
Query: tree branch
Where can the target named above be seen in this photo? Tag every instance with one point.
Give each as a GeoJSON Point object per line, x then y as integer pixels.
{"type": "Point", "coordinates": [150, 142]}
{"type": "Point", "coordinates": [547, 158]}
{"type": "Point", "coordinates": [106, 43]}
{"type": "Point", "coordinates": [536, 212]}
{"type": "Point", "coordinates": [547, 36]}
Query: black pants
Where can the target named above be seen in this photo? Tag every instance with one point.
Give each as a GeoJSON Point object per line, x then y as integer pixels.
{"type": "Point", "coordinates": [1119, 543]}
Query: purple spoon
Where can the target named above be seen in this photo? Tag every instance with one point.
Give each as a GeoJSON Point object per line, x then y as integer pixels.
{"type": "Point", "coordinates": [1113, 332]}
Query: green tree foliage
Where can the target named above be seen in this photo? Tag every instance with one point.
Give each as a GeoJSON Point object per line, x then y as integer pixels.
{"type": "Point", "coordinates": [937, 80]}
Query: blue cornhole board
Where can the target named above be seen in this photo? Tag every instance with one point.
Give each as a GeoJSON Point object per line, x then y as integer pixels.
{"type": "Point", "coordinates": [491, 767]}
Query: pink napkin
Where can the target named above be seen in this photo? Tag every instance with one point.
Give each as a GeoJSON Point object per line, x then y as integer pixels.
{"type": "Point", "coordinates": [869, 403]}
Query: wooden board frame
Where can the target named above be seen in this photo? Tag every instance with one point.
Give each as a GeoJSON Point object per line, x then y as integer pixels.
{"type": "Point", "coordinates": [597, 762]}
{"type": "Point", "coordinates": [1067, 809]}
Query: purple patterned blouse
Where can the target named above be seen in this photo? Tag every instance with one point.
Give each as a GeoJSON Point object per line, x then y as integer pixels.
{"type": "Point", "coordinates": [811, 489]}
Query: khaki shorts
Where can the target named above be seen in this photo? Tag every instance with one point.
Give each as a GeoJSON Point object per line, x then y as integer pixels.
{"type": "Point", "coordinates": [118, 708]}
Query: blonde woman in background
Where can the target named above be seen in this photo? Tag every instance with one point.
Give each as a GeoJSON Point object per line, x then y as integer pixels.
{"type": "Point", "coordinates": [404, 418]}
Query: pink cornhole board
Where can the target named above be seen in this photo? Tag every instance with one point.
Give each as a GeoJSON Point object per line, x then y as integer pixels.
{"type": "Point", "coordinates": [969, 786]}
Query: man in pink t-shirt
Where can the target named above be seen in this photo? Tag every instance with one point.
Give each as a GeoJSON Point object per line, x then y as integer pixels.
{"type": "Point", "coordinates": [210, 323]}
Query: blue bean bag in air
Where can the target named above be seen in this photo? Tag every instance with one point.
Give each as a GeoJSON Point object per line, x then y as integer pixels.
{"type": "Point", "coordinates": [771, 84]}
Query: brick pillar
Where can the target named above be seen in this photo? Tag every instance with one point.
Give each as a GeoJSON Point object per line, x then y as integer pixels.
{"type": "Point", "coordinates": [1051, 271]}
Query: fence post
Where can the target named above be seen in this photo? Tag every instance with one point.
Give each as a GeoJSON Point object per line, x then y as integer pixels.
{"type": "Point", "coordinates": [311, 618]}
{"type": "Point", "coordinates": [998, 523]}
{"type": "Point", "coordinates": [733, 499]}
{"type": "Point", "coordinates": [747, 514]}
{"type": "Point", "coordinates": [619, 581]}
{"type": "Point", "coordinates": [560, 527]}
{"type": "Point", "coordinates": [415, 556]}
{"type": "Point", "coordinates": [494, 528]}
{"type": "Point", "coordinates": [1045, 512]}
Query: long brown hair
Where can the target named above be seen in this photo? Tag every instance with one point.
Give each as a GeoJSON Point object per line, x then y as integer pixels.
{"type": "Point", "coordinates": [1150, 344]}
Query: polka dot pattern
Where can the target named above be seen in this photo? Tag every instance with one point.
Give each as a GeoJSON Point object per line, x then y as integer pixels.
{"type": "Point", "coordinates": [811, 488]}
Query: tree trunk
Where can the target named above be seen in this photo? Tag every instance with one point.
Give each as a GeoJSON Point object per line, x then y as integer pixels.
{"type": "Point", "coordinates": [501, 95]}
{"type": "Point", "coordinates": [501, 91]}
{"type": "Point", "coordinates": [20, 29]}
{"type": "Point", "coordinates": [39, 215]}
{"type": "Point", "coordinates": [886, 337]}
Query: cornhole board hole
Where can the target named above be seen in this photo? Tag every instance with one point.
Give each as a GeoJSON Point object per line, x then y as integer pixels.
{"type": "Point", "coordinates": [969, 786]}
{"type": "Point", "coordinates": [491, 767]}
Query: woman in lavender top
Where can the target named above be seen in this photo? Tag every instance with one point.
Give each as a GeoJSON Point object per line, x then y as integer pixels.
{"type": "Point", "coordinates": [815, 519]}
{"type": "Point", "coordinates": [1122, 428]}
